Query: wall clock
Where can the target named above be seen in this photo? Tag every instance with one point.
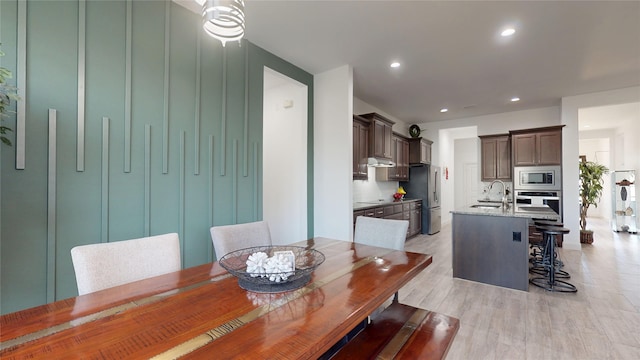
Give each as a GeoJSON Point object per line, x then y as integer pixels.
{"type": "Point", "coordinates": [414, 130]}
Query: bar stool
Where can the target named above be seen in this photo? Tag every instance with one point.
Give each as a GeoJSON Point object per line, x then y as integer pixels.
{"type": "Point", "coordinates": [550, 281]}
{"type": "Point", "coordinates": [539, 256]}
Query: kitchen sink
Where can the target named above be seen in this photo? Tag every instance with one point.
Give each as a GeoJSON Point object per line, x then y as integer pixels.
{"type": "Point", "coordinates": [485, 206]}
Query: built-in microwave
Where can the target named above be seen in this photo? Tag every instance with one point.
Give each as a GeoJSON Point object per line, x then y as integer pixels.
{"type": "Point", "coordinates": [537, 178]}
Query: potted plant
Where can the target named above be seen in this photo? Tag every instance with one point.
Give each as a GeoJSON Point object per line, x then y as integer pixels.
{"type": "Point", "coordinates": [591, 182]}
{"type": "Point", "coordinates": [7, 93]}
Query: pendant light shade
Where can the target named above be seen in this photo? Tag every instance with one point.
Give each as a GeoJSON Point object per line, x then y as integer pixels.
{"type": "Point", "coordinates": [223, 19]}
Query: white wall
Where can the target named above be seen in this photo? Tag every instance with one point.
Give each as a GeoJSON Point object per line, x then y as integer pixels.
{"type": "Point", "coordinates": [569, 117]}
{"type": "Point", "coordinates": [597, 149]}
{"type": "Point", "coordinates": [333, 153]}
{"type": "Point", "coordinates": [628, 139]}
{"type": "Point", "coordinates": [466, 177]}
{"type": "Point", "coordinates": [445, 146]}
{"type": "Point", "coordinates": [285, 162]}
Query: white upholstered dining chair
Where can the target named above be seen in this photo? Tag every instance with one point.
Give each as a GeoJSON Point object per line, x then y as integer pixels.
{"type": "Point", "coordinates": [228, 238]}
{"type": "Point", "coordinates": [384, 233]}
{"type": "Point", "coordinates": [104, 265]}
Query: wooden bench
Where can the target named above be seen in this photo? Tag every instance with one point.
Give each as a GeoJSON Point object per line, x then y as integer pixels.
{"type": "Point", "coordinates": [403, 332]}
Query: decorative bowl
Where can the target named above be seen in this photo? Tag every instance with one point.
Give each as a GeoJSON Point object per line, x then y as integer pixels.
{"type": "Point", "coordinates": [306, 260]}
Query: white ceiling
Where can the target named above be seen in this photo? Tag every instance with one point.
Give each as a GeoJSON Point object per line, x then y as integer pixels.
{"type": "Point", "coordinates": [451, 52]}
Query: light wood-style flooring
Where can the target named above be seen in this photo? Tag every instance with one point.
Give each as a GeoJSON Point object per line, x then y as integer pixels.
{"type": "Point", "coordinates": [600, 321]}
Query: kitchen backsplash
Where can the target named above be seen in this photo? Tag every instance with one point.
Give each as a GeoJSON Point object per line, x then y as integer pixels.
{"type": "Point", "coordinates": [495, 193]}
{"type": "Point", "coordinates": [372, 190]}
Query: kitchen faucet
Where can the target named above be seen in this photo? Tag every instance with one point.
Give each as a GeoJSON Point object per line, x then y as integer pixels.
{"type": "Point", "coordinates": [505, 201]}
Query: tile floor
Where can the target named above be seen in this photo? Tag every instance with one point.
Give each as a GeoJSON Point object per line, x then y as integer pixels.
{"type": "Point", "coordinates": [600, 321]}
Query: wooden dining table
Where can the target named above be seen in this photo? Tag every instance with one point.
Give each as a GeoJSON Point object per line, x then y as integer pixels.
{"type": "Point", "coordinates": [201, 312]}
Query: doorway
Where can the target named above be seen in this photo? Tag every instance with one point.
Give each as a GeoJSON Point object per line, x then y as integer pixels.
{"type": "Point", "coordinates": [284, 157]}
{"type": "Point", "coordinates": [607, 135]}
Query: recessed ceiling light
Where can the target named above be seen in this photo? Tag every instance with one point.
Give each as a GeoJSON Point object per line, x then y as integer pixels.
{"type": "Point", "coordinates": [443, 110]}
{"type": "Point", "coordinates": [587, 126]}
{"type": "Point", "coordinates": [395, 64]}
{"type": "Point", "coordinates": [508, 32]}
{"type": "Point", "coordinates": [514, 99]}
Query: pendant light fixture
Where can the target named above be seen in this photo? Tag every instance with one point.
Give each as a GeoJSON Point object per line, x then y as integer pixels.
{"type": "Point", "coordinates": [223, 19]}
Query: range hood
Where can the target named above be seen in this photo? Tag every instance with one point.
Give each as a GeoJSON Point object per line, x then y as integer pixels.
{"type": "Point", "coordinates": [379, 162]}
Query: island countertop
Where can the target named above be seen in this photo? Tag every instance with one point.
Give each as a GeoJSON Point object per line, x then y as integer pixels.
{"type": "Point", "coordinates": [525, 211]}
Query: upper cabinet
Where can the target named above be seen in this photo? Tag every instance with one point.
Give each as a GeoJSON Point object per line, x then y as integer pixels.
{"type": "Point", "coordinates": [496, 157]}
{"type": "Point", "coordinates": [540, 146]}
{"type": "Point", "coordinates": [400, 156]}
{"type": "Point", "coordinates": [379, 135]}
{"type": "Point", "coordinates": [419, 151]}
{"type": "Point", "coordinates": [360, 147]}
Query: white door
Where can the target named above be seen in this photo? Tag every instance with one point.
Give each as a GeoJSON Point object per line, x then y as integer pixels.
{"type": "Point", "coordinates": [471, 182]}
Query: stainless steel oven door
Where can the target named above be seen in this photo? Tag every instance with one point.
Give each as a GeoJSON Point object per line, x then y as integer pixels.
{"type": "Point", "coordinates": [553, 199]}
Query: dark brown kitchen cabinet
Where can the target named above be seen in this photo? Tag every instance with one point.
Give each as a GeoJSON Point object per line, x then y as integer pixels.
{"type": "Point", "coordinates": [360, 148]}
{"type": "Point", "coordinates": [380, 130]}
{"type": "Point", "coordinates": [419, 151]}
{"type": "Point", "coordinates": [540, 146]}
{"type": "Point", "coordinates": [496, 157]}
{"type": "Point", "coordinates": [402, 166]}
{"type": "Point", "coordinates": [415, 218]}
{"type": "Point", "coordinates": [400, 156]}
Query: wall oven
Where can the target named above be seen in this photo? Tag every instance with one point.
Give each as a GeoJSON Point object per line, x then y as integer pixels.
{"type": "Point", "coordinates": [553, 199]}
{"type": "Point", "coordinates": [537, 178]}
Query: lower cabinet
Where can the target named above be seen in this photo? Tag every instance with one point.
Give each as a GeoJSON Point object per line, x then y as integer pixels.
{"type": "Point", "coordinates": [415, 218]}
{"type": "Point", "coordinates": [409, 210]}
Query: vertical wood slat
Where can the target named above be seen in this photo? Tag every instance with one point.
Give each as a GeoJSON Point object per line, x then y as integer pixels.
{"type": "Point", "coordinates": [127, 87]}
{"type": "Point", "coordinates": [246, 112]}
{"type": "Point", "coordinates": [104, 233]}
{"type": "Point", "coordinates": [223, 130]}
{"type": "Point", "coordinates": [82, 27]}
{"type": "Point", "coordinates": [234, 183]}
{"type": "Point", "coordinates": [21, 111]}
{"type": "Point", "coordinates": [165, 119]}
{"type": "Point", "coordinates": [181, 195]}
{"type": "Point", "coordinates": [211, 185]}
{"type": "Point", "coordinates": [51, 207]}
{"type": "Point", "coordinates": [147, 180]}
{"type": "Point", "coordinates": [256, 197]}
{"type": "Point", "coordinates": [196, 120]}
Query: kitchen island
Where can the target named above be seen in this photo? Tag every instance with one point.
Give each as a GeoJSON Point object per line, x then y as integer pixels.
{"type": "Point", "coordinates": [491, 244]}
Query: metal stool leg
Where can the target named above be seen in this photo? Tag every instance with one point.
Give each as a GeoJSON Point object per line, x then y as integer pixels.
{"type": "Point", "coordinates": [550, 281]}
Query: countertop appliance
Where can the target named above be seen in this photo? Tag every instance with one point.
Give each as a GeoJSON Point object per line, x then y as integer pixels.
{"type": "Point", "coordinates": [424, 183]}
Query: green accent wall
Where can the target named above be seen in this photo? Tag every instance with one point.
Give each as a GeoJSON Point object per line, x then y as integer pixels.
{"type": "Point", "coordinates": [213, 161]}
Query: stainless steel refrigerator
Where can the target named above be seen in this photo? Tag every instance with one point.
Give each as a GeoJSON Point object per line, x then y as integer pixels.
{"type": "Point", "coordinates": [424, 183]}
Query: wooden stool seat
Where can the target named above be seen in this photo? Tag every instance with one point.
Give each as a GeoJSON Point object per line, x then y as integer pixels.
{"type": "Point", "coordinates": [403, 332]}
{"type": "Point", "coordinates": [553, 230]}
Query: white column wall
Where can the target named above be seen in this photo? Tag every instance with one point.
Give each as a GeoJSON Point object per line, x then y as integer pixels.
{"type": "Point", "coordinates": [333, 153]}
